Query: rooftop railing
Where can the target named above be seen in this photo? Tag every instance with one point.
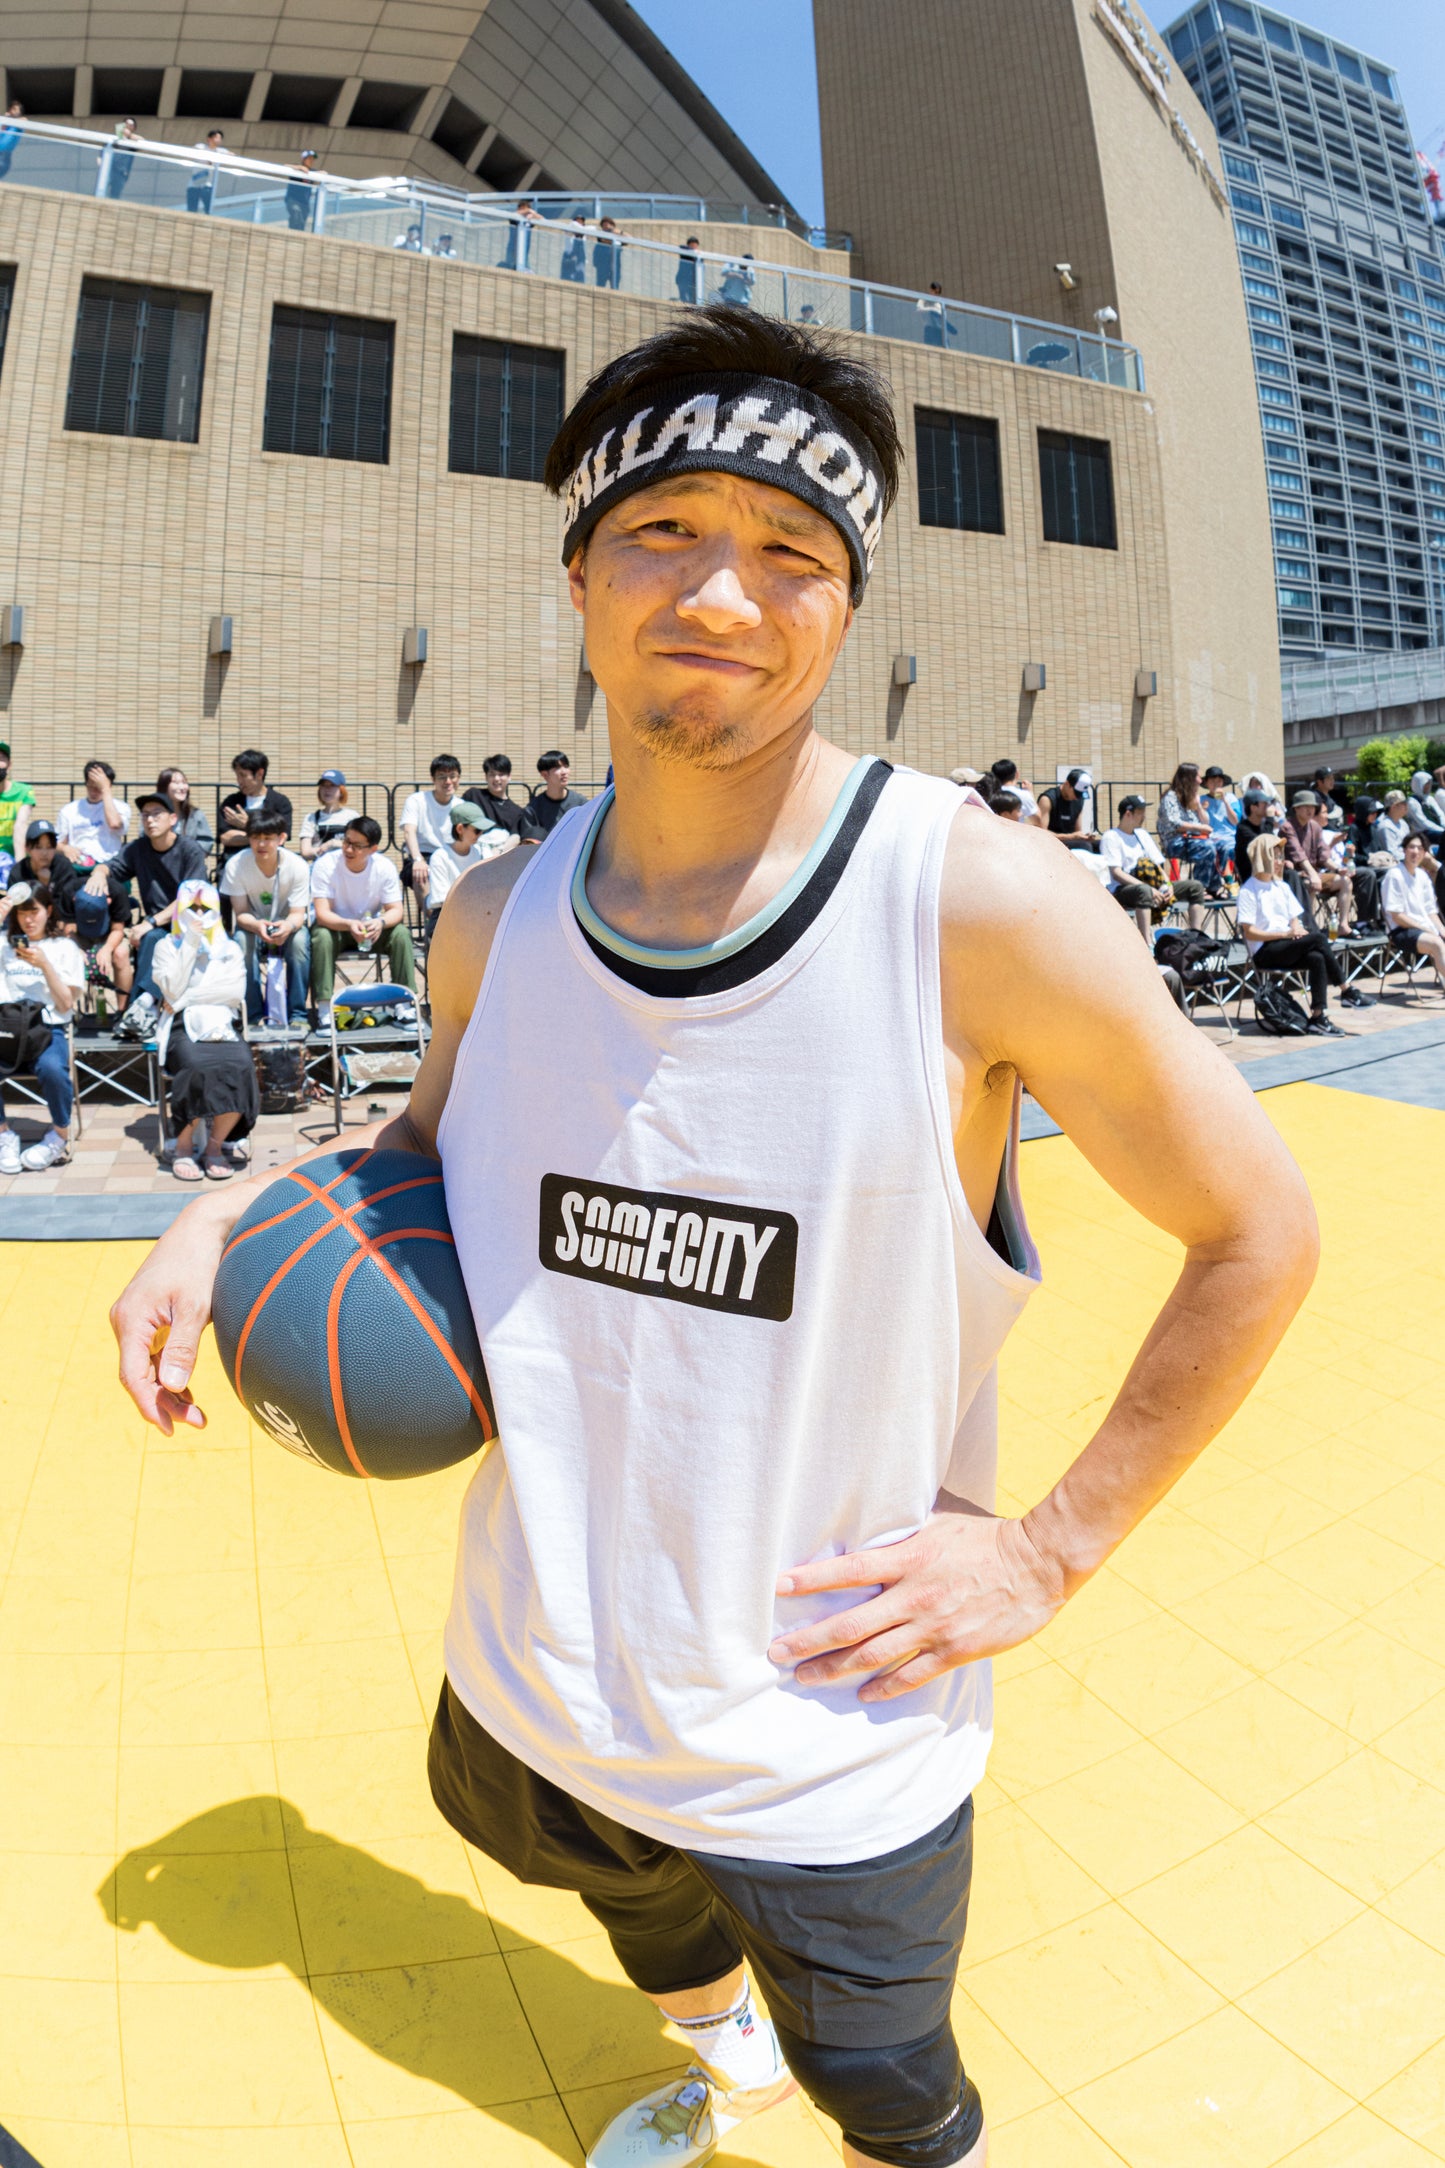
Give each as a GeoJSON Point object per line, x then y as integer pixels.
{"type": "Point", "coordinates": [683, 210]}
{"type": "Point", "coordinates": [425, 219]}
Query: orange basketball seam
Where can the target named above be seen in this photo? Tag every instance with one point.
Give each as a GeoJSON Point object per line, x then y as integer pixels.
{"type": "Point", "coordinates": [333, 1359]}
{"type": "Point", "coordinates": [275, 1221]}
{"type": "Point", "coordinates": [417, 1182]}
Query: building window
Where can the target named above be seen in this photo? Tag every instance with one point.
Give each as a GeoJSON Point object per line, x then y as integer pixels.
{"type": "Point", "coordinates": [1078, 490]}
{"type": "Point", "coordinates": [137, 362]}
{"type": "Point", "coordinates": [328, 387]}
{"type": "Point", "coordinates": [506, 407]}
{"type": "Point", "coordinates": [958, 474]}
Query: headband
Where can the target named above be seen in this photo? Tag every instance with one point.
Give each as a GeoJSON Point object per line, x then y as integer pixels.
{"type": "Point", "coordinates": [731, 422]}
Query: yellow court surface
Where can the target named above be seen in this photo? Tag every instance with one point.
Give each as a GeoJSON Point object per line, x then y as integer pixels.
{"type": "Point", "coordinates": [1209, 1901]}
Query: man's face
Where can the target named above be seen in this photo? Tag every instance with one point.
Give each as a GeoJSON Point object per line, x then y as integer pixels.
{"type": "Point", "coordinates": [496, 781]}
{"type": "Point", "coordinates": [1414, 855]}
{"type": "Point", "coordinates": [444, 784]}
{"type": "Point", "coordinates": [266, 850]}
{"type": "Point", "coordinates": [1131, 819]}
{"type": "Point", "coordinates": [95, 782]}
{"type": "Point", "coordinates": [158, 821]}
{"type": "Point", "coordinates": [355, 850]}
{"type": "Point", "coordinates": [251, 781]}
{"type": "Point", "coordinates": [555, 781]}
{"type": "Point", "coordinates": [715, 607]}
{"type": "Point", "coordinates": [4, 769]}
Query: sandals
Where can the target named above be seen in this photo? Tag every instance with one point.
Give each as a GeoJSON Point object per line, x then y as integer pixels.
{"type": "Point", "coordinates": [186, 1169]}
{"type": "Point", "coordinates": [217, 1170]}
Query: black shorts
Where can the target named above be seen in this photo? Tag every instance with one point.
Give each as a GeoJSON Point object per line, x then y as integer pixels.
{"type": "Point", "coordinates": [856, 1956]}
{"type": "Point", "coordinates": [1405, 939]}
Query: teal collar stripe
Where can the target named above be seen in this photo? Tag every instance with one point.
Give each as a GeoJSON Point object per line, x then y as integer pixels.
{"type": "Point", "coordinates": [712, 952]}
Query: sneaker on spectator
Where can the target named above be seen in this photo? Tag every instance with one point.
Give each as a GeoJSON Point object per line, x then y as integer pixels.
{"type": "Point", "coordinates": [9, 1153]}
{"type": "Point", "coordinates": [1351, 998]}
{"type": "Point", "coordinates": [1321, 1027]}
{"type": "Point", "coordinates": [323, 1016]}
{"type": "Point", "coordinates": [51, 1151]}
{"type": "Point", "coordinates": [139, 1019]}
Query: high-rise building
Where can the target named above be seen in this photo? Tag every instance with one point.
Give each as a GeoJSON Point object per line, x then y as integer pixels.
{"type": "Point", "coordinates": [1346, 298]}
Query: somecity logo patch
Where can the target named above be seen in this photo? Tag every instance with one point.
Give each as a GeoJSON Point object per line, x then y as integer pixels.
{"type": "Point", "coordinates": [715, 1256]}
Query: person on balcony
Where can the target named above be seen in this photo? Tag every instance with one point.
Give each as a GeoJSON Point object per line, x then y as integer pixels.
{"type": "Point", "coordinates": [121, 158]}
{"type": "Point", "coordinates": [201, 189]}
{"type": "Point", "coordinates": [300, 198]}
{"type": "Point", "coordinates": [607, 254]}
{"type": "Point", "coordinates": [10, 135]}
{"type": "Point", "coordinates": [689, 272]}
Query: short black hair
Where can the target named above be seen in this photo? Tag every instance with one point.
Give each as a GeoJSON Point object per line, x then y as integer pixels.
{"type": "Point", "coordinates": [1004, 771]}
{"type": "Point", "coordinates": [250, 759]}
{"type": "Point", "coordinates": [363, 825]}
{"type": "Point", "coordinates": [550, 760]}
{"type": "Point", "coordinates": [722, 339]}
{"type": "Point", "coordinates": [447, 762]}
{"type": "Point", "coordinates": [104, 766]}
{"type": "Point", "coordinates": [497, 764]}
{"type": "Point", "coordinates": [1006, 800]}
{"type": "Point", "coordinates": [267, 824]}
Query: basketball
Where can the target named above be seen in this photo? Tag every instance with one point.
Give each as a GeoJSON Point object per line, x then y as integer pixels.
{"type": "Point", "coordinates": [343, 1322]}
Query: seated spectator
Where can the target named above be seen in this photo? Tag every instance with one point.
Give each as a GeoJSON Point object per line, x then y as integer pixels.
{"type": "Point", "coordinates": [251, 795]}
{"type": "Point", "coordinates": [554, 798]}
{"type": "Point", "coordinates": [1008, 805]}
{"type": "Point", "coordinates": [93, 827]}
{"type": "Point", "coordinates": [466, 845]}
{"type": "Point", "coordinates": [270, 892]}
{"type": "Point", "coordinates": [1411, 910]}
{"type": "Point", "coordinates": [1434, 799]}
{"type": "Point", "coordinates": [17, 801]}
{"type": "Point", "coordinates": [1221, 808]}
{"type": "Point", "coordinates": [158, 863]}
{"type": "Point", "coordinates": [1138, 877]}
{"type": "Point", "coordinates": [1418, 813]}
{"type": "Point", "coordinates": [356, 895]}
{"type": "Point", "coordinates": [1068, 808]}
{"type": "Point", "coordinates": [500, 810]}
{"type": "Point", "coordinates": [1186, 831]}
{"type": "Point", "coordinates": [211, 1076]}
{"type": "Point", "coordinates": [1392, 827]}
{"type": "Point", "coordinates": [1332, 810]}
{"type": "Point", "coordinates": [1258, 780]}
{"type": "Point", "coordinates": [38, 963]}
{"type": "Point", "coordinates": [1006, 776]}
{"type": "Point", "coordinates": [1325, 870]}
{"type": "Point", "coordinates": [426, 821]}
{"type": "Point", "coordinates": [192, 825]}
{"type": "Point", "coordinates": [322, 829]}
{"type": "Point", "coordinates": [41, 865]}
{"type": "Point", "coordinates": [1268, 916]}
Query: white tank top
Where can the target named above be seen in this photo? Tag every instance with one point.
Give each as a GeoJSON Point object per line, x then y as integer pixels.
{"type": "Point", "coordinates": [737, 1315]}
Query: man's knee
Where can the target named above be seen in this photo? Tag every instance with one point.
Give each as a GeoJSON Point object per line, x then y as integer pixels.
{"type": "Point", "coordinates": [906, 2107]}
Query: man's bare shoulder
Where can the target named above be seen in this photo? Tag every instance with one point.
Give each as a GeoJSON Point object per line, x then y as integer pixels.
{"type": "Point", "coordinates": [998, 874]}
{"type": "Point", "coordinates": [465, 930]}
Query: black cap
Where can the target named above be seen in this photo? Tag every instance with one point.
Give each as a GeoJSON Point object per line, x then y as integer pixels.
{"type": "Point", "coordinates": [1255, 797]}
{"type": "Point", "coordinates": [1132, 804]}
{"type": "Point", "coordinates": [1211, 773]}
{"type": "Point", "coordinates": [37, 829]}
{"type": "Point", "coordinates": [153, 797]}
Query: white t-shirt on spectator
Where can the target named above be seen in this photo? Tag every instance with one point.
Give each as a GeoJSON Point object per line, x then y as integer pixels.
{"type": "Point", "coordinates": [433, 821]}
{"type": "Point", "coordinates": [1121, 852]}
{"type": "Point", "coordinates": [20, 981]}
{"type": "Point", "coordinates": [267, 895]}
{"type": "Point", "coordinates": [356, 895]}
{"type": "Point", "coordinates": [1412, 895]}
{"type": "Point", "coordinates": [85, 827]}
{"type": "Point", "coordinates": [1265, 907]}
{"type": "Point", "coordinates": [447, 869]}
{"type": "Point", "coordinates": [326, 826]}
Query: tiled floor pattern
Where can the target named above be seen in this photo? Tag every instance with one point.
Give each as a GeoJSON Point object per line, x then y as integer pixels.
{"type": "Point", "coordinates": [1209, 1914]}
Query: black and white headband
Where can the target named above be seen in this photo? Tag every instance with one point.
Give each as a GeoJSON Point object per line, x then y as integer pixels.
{"type": "Point", "coordinates": [734, 423]}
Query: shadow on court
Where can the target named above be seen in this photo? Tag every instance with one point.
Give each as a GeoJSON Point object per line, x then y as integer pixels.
{"type": "Point", "coordinates": [412, 1973]}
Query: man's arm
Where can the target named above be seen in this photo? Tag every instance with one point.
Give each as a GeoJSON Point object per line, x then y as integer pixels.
{"type": "Point", "coordinates": [159, 1319]}
{"type": "Point", "coordinates": [1044, 978]}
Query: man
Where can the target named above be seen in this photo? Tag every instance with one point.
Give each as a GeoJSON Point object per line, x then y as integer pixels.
{"type": "Point", "coordinates": [1393, 827]}
{"type": "Point", "coordinates": [688, 278]}
{"type": "Point", "coordinates": [10, 135]}
{"type": "Point", "coordinates": [1066, 806]}
{"type": "Point", "coordinates": [13, 798]}
{"type": "Point", "coordinates": [201, 188]}
{"type": "Point", "coordinates": [157, 862]}
{"type": "Point", "coordinates": [411, 241]}
{"type": "Point", "coordinates": [425, 821]}
{"type": "Point", "coordinates": [1332, 809]}
{"type": "Point", "coordinates": [356, 894]}
{"type": "Point", "coordinates": [1006, 776]}
{"type": "Point", "coordinates": [251, 795]}
{"type": "Point", "coordinates": [726, 1589]}
{"type": "Point", "coordinates": [1319, 872]}
{"type": "Point", "coordinates": [554, 798]}
{"type": "Point", "coordinates": [937, 330]}
{"type": "Point", "coordinates": [1408, 900]}
{"type": "Point", "coordinates": [518, 256]}
{"type": "Point", "coordinates": [300, 197]}
{"type": "Point", "coordinates": [445, 245]}
{"type": "Point", "coordinates": [1138, 876]}
{"type": "Point", "coordinates": [270, 890]}
{"type": "Point", "coordinates": [93, 826]}
{"type": "Point", "coordinates": [499, 810]}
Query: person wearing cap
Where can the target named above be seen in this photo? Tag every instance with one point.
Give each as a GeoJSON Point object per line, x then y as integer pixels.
{"type": "Point", "coordinates": [1068, 808]}
{"type": "Point", "coordinates": [1221, 807]}
{"type": "Point", "coordinates": [471, 841]}
{"type": "Point", "coordinates": [1257, 817]}
{"type": "Point", "coordinates": [15, 798]}
{"type": "Point", "coordinates": [85, 918]}
{"type": "Point", "coordinates": [1392, 826]}
{"type": "Point", "coordinates": [156, 863]}
{"type": "Point", "coordinates": [1186, 830]}
{"type": "Point", "coordinates": [325, 825]}
{"type": "Point", "coordinates": [426, 821]}
{"type": "Point", "coordinates": [753, 1028]}
{"type": "Point", "coordinates": [1418, 813]}
{"type": "Point", "coordinates": [1323, 871]}
{"type": "Point", "coordinates": [300, 198]}
{"type": "Point", "coordinates": [1138, 876]}
{"type": "Point", "coordinates": [555, 797]}
{"type": "Point", "coordinates": [1434, 799]}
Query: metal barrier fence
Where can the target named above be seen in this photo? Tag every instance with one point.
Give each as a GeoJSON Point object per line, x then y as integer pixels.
{"type": "Point", "coordinates": [424, 219]}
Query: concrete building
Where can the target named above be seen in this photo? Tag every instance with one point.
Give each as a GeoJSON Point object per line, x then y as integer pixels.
{"type": "Point", "coordinates": [1332, 707]}
{"type": "Point", "coordinates": [1044, 155]}
{"type": "Point", "coordinates": [504, 94]}
{"type": "Point", "coordinates": [1346, 294]}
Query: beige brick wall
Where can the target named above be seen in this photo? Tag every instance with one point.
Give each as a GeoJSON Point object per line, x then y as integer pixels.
{"type": "Point", "coordinates": [982, 144]}
{"type": "Point", "coordinates": [123, 549]}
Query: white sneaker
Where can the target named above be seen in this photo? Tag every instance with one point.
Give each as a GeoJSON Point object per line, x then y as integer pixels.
{"type": "Point", "coordinates": [9, 1153]}
{"type": "Point", "coordinates": [684, 2122]}
{"type": "Point", "coordinates": [49, 1152]}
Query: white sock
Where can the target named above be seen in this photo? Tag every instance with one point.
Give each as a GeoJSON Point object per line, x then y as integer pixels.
{"type": "Point", "coordinates": [737, 2045]}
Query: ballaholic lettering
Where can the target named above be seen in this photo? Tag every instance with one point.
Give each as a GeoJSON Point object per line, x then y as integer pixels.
{"type": "Point", "coordinates": [715, 1256]}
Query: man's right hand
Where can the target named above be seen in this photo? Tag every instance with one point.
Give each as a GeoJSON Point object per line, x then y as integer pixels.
{"type": "Point", "coordinates": [420, 876]}
{"type": "Point", "coordinates": [95, 886]}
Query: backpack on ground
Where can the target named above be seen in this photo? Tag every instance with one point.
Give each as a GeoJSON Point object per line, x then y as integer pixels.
{"type": "Point", "coordinates": [1190, 954]}
{"type": "Point", "coordinates": [24, 1035]}
{"type": "Point", "coordinates": [281, 1075]}
{"type": "Point", "coordinates": [1278, 1013]}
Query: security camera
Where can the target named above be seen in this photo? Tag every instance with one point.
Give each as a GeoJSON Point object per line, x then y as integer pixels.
{"type": "Point", "coordinates": [1066, 277]}
{"type": "Point", "coordinates": [1106, 315]}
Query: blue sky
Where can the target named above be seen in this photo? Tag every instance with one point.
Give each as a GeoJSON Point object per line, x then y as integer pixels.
{"type": "Point", "coordinates": [754, 59]}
